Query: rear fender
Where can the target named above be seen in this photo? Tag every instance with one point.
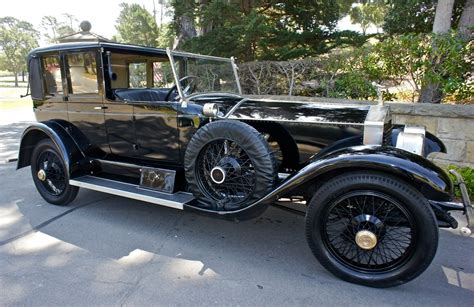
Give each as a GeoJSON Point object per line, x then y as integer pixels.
{"type": "Point", "coordinates": [68, 147]}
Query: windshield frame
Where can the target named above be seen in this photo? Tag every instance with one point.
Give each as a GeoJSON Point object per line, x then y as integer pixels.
{"type": "Point", "coordinates": [172, 53]}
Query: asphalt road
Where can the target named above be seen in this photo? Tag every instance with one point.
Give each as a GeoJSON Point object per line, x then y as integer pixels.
{"type": "Point", "coordinates": [107, 250]}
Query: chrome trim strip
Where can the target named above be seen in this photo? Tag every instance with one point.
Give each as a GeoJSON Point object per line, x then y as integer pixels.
{"type": "Point", "coordinates": [232, 110]}
{"type": "Point", "coordinates": [329, 105]}
{"type": "Point", "coordinates": [194, 55]}
{"type": "Point", "coordinates": [132, 191]}
{"type": "Point", "coordinates": [299, 121]}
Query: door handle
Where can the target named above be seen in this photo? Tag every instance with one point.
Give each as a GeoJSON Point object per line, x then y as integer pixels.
{"type": "Point", "coordinates": [101, 108]}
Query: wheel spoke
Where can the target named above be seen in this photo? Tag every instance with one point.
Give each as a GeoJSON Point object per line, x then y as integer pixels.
{"type": "Point", "coordinates": [377, 213]}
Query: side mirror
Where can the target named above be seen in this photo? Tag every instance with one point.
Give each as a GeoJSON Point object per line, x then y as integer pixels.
{"type": "Point", "coordinates": [210, 110]}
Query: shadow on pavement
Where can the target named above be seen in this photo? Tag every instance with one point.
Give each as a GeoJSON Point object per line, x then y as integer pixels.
{"type": "Point", "coordinates": [10, 140]}
{"type": "Point", "coordinates": [120, 251]}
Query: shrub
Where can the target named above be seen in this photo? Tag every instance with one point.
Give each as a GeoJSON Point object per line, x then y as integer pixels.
{"type": "Point", "coordinates": [468, 174]}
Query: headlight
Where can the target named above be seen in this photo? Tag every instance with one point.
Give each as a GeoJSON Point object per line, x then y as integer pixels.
{"type": "Point", "coordinates": [210, 110]}
{"type": "Point", "coordinates": [412, 139]}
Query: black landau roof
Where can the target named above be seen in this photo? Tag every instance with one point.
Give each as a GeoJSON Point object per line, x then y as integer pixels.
{"type": "Point", "coordinates": [91, 45]}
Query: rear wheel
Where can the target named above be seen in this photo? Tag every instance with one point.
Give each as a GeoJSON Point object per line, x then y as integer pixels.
{"type": "Point", "coordinates": [50, 176]}
{"type": "Point", "coordinates": [371, 229]}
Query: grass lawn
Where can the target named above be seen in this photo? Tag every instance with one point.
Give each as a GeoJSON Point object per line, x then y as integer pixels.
{"type": "Point", "coordinates": [10, 98]}
{"type": "Point", "coordinates": [15, 104]}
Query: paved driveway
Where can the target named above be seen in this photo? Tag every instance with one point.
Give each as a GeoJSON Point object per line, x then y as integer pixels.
{"type": "Point", "coordinates": [107, 250]}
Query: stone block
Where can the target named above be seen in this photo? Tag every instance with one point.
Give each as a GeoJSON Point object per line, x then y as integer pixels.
{"type": "Point", "coordinates": [456, 150]}
{"type": "Point", "coordinates": [456, 128]}
{"type": "Point", "coordinates": [470, 152]}
{"type": "Point", "coordinates": [430, 123]}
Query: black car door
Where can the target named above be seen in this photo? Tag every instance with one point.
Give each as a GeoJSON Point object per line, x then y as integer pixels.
{"type": "Point", "coordinates": [84, 97]}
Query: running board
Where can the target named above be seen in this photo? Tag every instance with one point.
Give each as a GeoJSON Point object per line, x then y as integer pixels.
{"type": "Point", "coordinates": [176, 200]}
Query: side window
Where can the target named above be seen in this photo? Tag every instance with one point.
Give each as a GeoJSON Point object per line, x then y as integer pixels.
{"type": "Point", "coordinates": [162, 75]}
{"type": "Point", "coordinates": [137, 75]}
{"type": "Point", "coordinates": [52, 75]}
{"type": "Point", "coordinates": [82, 73]}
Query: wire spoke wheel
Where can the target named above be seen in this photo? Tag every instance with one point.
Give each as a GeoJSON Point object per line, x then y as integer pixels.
{"type": "Point", "coordinates": [225, 172]}
{"type": "Point", "coordinates": [52, 173]}
{"type": "Point", "coordinates": [369, 231]}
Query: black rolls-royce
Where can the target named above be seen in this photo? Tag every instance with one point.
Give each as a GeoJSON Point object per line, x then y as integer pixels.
{"type": "Point", "coordinates": [174, 129]}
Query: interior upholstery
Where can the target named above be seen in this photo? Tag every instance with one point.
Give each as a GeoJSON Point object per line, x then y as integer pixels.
{"type": "Point", "coordinates": [141, 94]}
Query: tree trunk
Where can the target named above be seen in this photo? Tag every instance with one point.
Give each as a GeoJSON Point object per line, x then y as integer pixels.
{"type": "Point", "coordinates": [467, 21]}
{"type": "Point", "coordinates": [444, 13]}
{"type": "Point", "coordinates": [430, 93]}
{"type": "Point", "coordinates": [22, 76]}
{"type": "Point", "coordinates": [187, 30]}
{"type": "Point", "coordinates": [16, 78]}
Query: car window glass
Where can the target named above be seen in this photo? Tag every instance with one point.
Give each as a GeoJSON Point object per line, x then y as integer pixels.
{"type": "Point", "coordinates": [162, 75]}
{"type": "Point", "coordinates": [137, 75]}
{"type": "Point", "coordinates": [52, 75]}
{"type": "Point", "coordinates": [83, 73]}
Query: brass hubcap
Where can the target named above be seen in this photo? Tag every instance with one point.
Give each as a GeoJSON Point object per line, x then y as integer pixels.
{"type": "Point", "coordinates": [366, 239]}
{"type": "Point", "coordinates": [41, 175]}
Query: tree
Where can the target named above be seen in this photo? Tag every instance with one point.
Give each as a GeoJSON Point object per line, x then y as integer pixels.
{"type": "Point", "coordinates": [184, 21]}
{"type": "Point", "coordinates": [136, 25]}
{"type": "Point", "coordinates": [54, 28]}
{"type": "Point", "coordinates": [430, 92]}
{"type": "Point", "coordinates": [266, 29]}
{"type": "Point", "coordinates": [466, 22]}
{"type": "Point", "coordinates": [368, 14]}
{"type": "Point", "coordinates": [415, 16]}
{"type": "Point", "coordinates": [17, 38]}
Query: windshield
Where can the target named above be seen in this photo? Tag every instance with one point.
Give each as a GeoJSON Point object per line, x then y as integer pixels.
{"type": "Point", "coordinates": [209, 74]}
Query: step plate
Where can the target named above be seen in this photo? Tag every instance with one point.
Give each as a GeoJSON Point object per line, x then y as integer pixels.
{"type": "Point", "coordinates": [176, 200]}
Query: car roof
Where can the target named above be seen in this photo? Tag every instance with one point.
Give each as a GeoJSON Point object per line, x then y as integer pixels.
{"type": "Point", "coordinates": [90, 45]}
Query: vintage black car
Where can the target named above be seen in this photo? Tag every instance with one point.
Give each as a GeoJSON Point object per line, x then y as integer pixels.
{"type": "Point", "coordinates": [174, 129]}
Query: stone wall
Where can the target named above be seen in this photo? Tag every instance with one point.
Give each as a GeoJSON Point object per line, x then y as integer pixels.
{"type": "Point", "coordinates": [453, 124]}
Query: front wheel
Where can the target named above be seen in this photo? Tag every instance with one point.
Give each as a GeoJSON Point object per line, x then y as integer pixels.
{"type": "Point", "coordinates": [371, 229]}
{"type": "Point", "coordinates": [50, 176]}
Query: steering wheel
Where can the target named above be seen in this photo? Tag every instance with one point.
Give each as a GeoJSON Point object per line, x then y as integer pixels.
{"type": "Point", "coordinates": [187, 83]}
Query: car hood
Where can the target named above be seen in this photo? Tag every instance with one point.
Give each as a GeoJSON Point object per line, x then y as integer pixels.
{"type": "Point", "coordinates": [263, 109]}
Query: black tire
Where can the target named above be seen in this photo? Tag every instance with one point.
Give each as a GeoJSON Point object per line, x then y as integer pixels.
{"type": "Point", "coordinates": [55, 188]}
{"type": "Point", "coordinates": [247, 156]}
{"type": "Point", "coordinates": [402, 251]}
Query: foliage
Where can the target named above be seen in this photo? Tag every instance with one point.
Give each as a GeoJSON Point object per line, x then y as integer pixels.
{"type": "Point", "coordinates": [136, 25]}
{"type": "Point", "coordinates": [265, 30]}
{"type": "Point", "coordinates": [367, 14]}
{"type": "Point", "coordinates": [401, 62]}
{"type": "Point", "coordinates": [165, 36]}
{"type": "Point", "coordinates": [17, 38]}
{"type": "Point", "coordinates": [53, 29]}
{"type": "Point", "coordinates": [412, 59]}
{"type": "Point", "coordinates": [415, 16]}
{"type": "Point", "coordinates": [468, 174]}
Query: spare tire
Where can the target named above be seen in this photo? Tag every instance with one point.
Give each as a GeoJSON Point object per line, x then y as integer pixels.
{"type": "Point", "coordinates": [229, 165]}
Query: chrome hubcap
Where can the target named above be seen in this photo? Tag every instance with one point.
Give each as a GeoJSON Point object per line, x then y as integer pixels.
{"type": "Point", "coordinates": [41, 175]}
{"type": "Point", "coordinates": [366, 239]}
{"type": "Point", "coordinates": [218, 175]}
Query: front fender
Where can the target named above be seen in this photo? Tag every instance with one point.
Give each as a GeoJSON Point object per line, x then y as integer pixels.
{"type": "Point", "coordinates": [431, 180]}
{"type": "Point", "coordinates": [68, 148]}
